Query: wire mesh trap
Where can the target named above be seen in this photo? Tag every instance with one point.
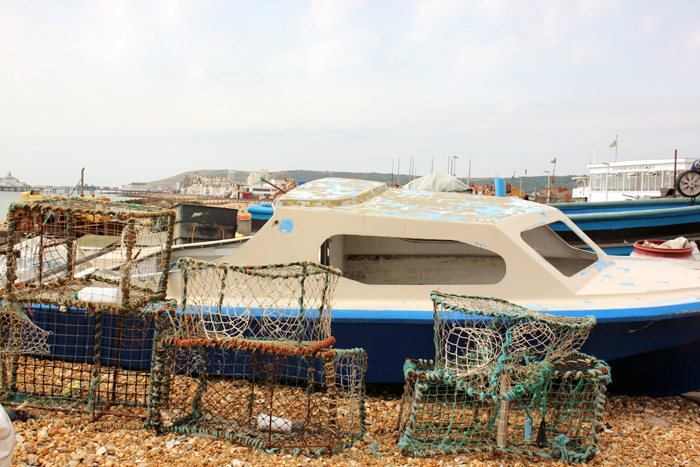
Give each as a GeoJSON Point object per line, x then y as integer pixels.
{"type": "Point", "coordinates": [281, 399]}
{"type": "Point", "coordinates": [249, 359]}
{"type": "Point", "coordinates": [96, 360]}
{"type": "Point", "coordinates": [288, 303]}
{"type": "Point", "coordinates": [476, 336]}
{"type": "Point", "coordinates": [499, 370]}
{"type": "Point", "coordinates": [554, 413]}
{"type": "Point", "coordinates": [81, 252]}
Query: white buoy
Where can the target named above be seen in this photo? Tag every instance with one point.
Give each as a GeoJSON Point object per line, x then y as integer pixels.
{"type": "Point", "coordinates": [276, 424]}
{"type": "Point", "coordinates": [102, 295]}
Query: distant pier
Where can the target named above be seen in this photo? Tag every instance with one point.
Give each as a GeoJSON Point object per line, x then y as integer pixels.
{"type": "Point", "coordinates": [89, 191]}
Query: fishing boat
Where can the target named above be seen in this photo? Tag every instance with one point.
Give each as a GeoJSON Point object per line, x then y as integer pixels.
{"type": "Point", "coordinates": [395, 246]}
{"type": "Point", "coordinates": [616, 225]}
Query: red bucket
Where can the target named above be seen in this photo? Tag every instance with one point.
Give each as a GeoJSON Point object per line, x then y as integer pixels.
{"type": "Point", "coordinates": [650, 251]}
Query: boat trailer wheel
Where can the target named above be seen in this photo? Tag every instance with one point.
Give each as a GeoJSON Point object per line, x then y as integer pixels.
{"type": "Point", "coordinates": [688, 184]}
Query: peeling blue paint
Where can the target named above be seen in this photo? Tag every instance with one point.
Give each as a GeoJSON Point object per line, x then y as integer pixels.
{"type": "Point", "coordinates": [607, 276]}
{"type": "Point", "coordinates": [287, 226]}
{"type": "Point", "coordinates": [625, 270]}
{"type": "Point", "coordinates": [375, 198]}
{"type": "Point", "coordinates": [627, 284]}
{"type": "Point", "coordinates": [663, 282]}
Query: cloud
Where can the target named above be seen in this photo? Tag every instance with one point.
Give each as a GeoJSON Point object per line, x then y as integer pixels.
{"type": "Point", "coordinates": [592, 8]}
{"type": "Point", "coordinates": [430, 15]}
{"type": "Point", "coordinates": [475, 59]}
{"type": "Point", "coordinates": [583, 51]}
{"type": "Point", "coordinates": [650, 24]}
{"type": "Point", "coordinates": [328, 15]}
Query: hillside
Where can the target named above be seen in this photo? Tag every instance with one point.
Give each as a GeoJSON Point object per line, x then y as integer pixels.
{"type": "Point", "coordinates": [529, 184]}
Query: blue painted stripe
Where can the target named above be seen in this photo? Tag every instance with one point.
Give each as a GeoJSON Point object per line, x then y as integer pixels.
{"type": "Point", "coordinates": [602, 315]}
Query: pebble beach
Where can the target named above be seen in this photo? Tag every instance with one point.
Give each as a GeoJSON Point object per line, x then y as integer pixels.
{"type": "Point", "coordinates": [639, 431]}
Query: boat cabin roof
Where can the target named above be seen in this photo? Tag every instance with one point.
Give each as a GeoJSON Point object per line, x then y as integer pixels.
{"type": "Point", "coordinates": [375, 198]}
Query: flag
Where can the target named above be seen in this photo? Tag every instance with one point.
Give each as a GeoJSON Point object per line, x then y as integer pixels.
{"type": "Point", "coordinates": [554, 161]}
{"type": "Point", "coordinates": [614, 143]}
{"type": "Point", "coordinates": [525, 171]}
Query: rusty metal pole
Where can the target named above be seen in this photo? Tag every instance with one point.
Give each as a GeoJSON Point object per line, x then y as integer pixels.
{"type": "Point", "coordinates": [675, 162]}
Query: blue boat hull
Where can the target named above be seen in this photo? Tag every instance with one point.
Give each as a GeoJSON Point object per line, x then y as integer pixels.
{"type": "Point", "coordinates": [653, 355]}
{"type": "Point", "coordinates": [651, 351]}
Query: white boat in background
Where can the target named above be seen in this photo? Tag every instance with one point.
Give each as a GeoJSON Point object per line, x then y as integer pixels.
{"type": "Point", "coordinates": [625, 180]}
{"type": "Point", "coordinates": [395, 246]}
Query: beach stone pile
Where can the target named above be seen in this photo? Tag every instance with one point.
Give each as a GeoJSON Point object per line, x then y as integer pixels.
{"type": "Point", "coordinates": [638, 431]}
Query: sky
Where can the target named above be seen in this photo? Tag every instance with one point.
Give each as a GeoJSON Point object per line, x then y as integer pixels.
{"type": "Point", "coordinates": [144, 90]}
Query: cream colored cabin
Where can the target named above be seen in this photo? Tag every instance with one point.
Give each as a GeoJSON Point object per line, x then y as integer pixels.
{"type": "Point", "coordinates": [395, 246]}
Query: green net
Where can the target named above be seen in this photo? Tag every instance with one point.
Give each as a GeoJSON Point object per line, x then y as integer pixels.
{"type": "Point", "coordinates": [86, 253]}
{"type": "Point", "coordinates": [504, 378]}
{"type": "Point", "coordinates": [287, 303]}
{"type": "Point", "coordinates": [552, 414]}
{"type": "Point", "coordinates": [476, 337]}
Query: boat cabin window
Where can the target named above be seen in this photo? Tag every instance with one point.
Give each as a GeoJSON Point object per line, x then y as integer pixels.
{"type": "Point", "coordinates": [549, 242]}
{"type": "Point", "coordinates": [411, 261]}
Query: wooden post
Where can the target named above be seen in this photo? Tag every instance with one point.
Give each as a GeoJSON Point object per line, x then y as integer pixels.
{"type": "Point", "coordinates": [502, 437]}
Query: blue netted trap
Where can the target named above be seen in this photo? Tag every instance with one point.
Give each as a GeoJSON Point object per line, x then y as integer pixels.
{"type": "Point", "coordinates": [87, 361]}
{"type": "Point", "coordinates": [82, 287]}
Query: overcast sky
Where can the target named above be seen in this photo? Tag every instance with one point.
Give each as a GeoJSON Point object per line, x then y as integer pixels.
{"type": "Point", "coordinates": [143, 90]}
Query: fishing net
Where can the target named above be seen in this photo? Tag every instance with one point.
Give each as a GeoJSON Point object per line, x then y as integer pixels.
{"type": "Point", "coordinates": [288, 303]}
{"type": "Point", "coordinates": [476, 336]}
{"type": "Point", "coordinates": [86, 253]}
{"type": "Point", "coordinates": [502, 373]}
{"type": "Point", "coordinates": [18, 334]}
{"type": "Point", "coordinates": [249, 359]}
{"type": "Point", "coordinates": [553, 413]}
{"type": "Point", "coordinates": [281, 399]}
{"type": "Point", "coordinates": [98, 359]}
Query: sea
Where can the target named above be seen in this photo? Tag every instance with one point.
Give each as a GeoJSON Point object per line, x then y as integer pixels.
{"type": "Point", "coordinates": [9, 197]}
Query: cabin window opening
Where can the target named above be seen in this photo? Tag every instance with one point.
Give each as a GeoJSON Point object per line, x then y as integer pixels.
{"type": "Point", "coordinates": [378, 260]}
{"type": "Point", "coordinates": [555, 243]}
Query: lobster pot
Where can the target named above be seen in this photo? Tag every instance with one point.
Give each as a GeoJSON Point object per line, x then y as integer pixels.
{"type": "Point", "coordinates": [552, 413]}
{"type": "Point", "coordinates": [296, 400]}
{"type": "Point", "coordinates": [441, 414]}
{"type": "Point", "coordinates": [289, 303]}
{"type": "Point", "coordinates": [475, 334]}
{"type": "Point", "coordinates": [87, 253]}
{"type": "Point", "coordinates": [572, 403]}
{"type": "Point", "coordinates": [86, 360]}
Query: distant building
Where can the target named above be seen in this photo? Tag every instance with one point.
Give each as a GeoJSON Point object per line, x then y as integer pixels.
{"type": "Point", "coordinates": [231, 176]}
{"type": "Point", "coordinates": [140, 187]}
{"type": "Point", "coordinates": [12, 182]}
{"type": "Point", "coordinates": [254, 177]}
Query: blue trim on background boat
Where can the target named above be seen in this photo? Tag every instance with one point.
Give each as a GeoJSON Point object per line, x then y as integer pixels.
{"type": "Point", "coordinates": [632, 219]}
{"type": "Point", "coordinates": [616, 251]}
{"type": "Point", "coordinates": [620, 206]}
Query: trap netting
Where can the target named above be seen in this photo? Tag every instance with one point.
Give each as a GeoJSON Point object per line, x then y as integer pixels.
{"type": "Point", "coordinates": [97, 360]}
{"type": "Point", "coordinates": [554, 413]}
{"type": "Point", "coordinates": [278, 398]}
{"type": "Point", "coordinates": [81, 252]}
{"type": "Point", "coordinates": [504, 378]}
{"type": "Point", "coordinates": [476, 337]}
{"type": "Point", "coordinates": [288, 303]}
{"type": "Point", "coordinates": [18, 334]}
